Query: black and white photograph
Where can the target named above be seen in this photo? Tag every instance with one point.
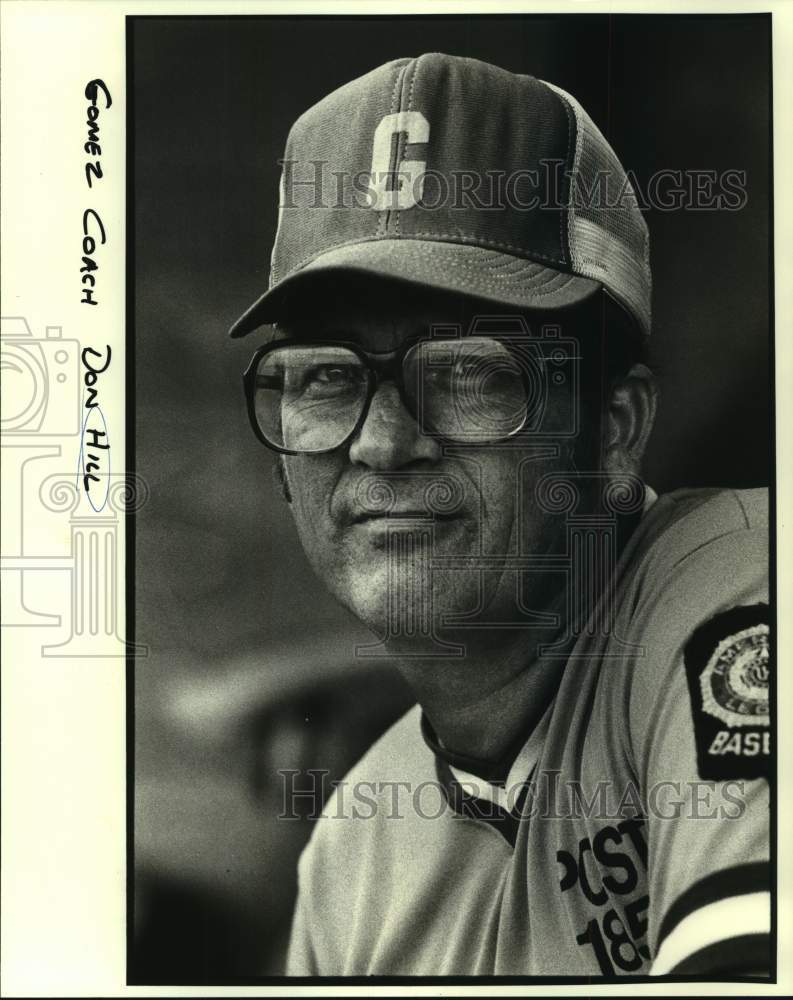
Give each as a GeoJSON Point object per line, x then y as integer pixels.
{"type": "Point", "coordinates": [458, 602]}
{"type": "Point", "coordinates": [394, 466]}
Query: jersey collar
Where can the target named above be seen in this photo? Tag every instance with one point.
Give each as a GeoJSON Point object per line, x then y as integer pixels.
{"type": "Point", "coordinates": [490, 792]}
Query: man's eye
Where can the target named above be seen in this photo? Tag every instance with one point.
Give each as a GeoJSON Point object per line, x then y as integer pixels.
{"type": "Point", "coordinates": [332, 378]}
{"type": "Point", "coordinates": [443, 375]}
{"type": "Point", "coordinates": [467, 367]}
{"type": "Point", "coordinates": [328, 374]}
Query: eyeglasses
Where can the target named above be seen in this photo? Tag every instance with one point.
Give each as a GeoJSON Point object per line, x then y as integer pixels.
{"type": "Point", "coordinates": [307, 398]}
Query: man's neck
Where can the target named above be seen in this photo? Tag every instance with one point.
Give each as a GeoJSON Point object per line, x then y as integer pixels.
{"type": "Point", "coordinates": [481, 704]}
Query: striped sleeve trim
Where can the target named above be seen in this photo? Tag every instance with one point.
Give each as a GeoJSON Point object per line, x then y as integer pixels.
{"type": "Point", "coordinates": [735, 881]}
{"type": "Point", "coordinates": [745, 955]}
{"type": "Point", "coordinates": [709, 933]}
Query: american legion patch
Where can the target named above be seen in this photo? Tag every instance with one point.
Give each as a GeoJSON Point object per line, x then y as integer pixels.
{"type": "Point", "coordinates": [728, 668]}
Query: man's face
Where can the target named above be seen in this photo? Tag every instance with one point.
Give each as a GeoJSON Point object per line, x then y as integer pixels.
{"type": "Point", "coordinates": [383, 560]}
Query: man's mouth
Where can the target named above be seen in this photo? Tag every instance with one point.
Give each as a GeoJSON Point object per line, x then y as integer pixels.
{"type": "Point", "coordinates": [408, 514]}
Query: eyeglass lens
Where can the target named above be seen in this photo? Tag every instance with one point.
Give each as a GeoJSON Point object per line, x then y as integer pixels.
{"type": "Point", "coordinates": [309, 399]}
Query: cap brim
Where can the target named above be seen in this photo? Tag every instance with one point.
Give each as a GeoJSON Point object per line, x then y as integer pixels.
{"type": "Point", "coordinates": [453, 267]}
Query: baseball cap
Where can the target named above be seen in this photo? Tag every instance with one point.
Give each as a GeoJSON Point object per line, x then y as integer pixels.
{"type": "Point", "coordinates": [455, 174]}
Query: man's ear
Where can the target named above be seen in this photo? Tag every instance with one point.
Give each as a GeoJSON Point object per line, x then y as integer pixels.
{"type": "Point", "coordinates": [279, 470]}
{"type": "Point", "coordinates": [629, 419]}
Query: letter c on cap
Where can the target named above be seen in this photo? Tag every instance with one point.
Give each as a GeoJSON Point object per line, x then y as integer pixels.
{"type": "Point", "coordinates": [407, 177]}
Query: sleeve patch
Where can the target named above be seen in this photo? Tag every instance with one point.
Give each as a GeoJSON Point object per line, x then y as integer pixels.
{"type": "Point", "coordinates": [728, 669]}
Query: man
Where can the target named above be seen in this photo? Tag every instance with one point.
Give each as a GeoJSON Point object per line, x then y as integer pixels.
{"type": "Point", "coordinates": [457, 390]}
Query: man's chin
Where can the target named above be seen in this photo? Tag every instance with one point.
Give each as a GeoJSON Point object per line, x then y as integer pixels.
{"type": "Point", "coordinates": [399, 598]}
{"type": "Point", "coordinates": [391, 579]}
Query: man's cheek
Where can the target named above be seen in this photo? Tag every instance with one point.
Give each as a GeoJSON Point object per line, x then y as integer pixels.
{"type": "Point", "coordinates": [498, 509]}
{"type": "Point", "coordinates": [309, 485]}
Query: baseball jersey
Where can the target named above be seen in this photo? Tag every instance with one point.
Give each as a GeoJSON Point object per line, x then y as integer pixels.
{"type": "Point", "coordinates": [630, 835]}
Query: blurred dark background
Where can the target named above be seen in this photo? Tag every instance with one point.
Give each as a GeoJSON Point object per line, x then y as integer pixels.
{"type": "Point", "coordinates": [250, 665]}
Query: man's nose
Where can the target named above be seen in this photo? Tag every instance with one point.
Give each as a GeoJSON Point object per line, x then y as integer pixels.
{"type": "Point", "coordinates": [390, 437]}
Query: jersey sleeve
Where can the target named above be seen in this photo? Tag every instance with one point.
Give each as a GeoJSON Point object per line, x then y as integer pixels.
{"type": "Point", "coordinates": [301, 959]}
{"type": "Point", "coordinates": [699, 728]}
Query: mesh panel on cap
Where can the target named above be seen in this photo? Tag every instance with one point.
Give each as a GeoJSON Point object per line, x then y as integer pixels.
{"type": "Point", "coordinates": [608, 242]}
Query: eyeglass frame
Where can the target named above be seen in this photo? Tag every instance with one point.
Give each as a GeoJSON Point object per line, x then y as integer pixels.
{"type": "Point", "coordinates": [378, 366]}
